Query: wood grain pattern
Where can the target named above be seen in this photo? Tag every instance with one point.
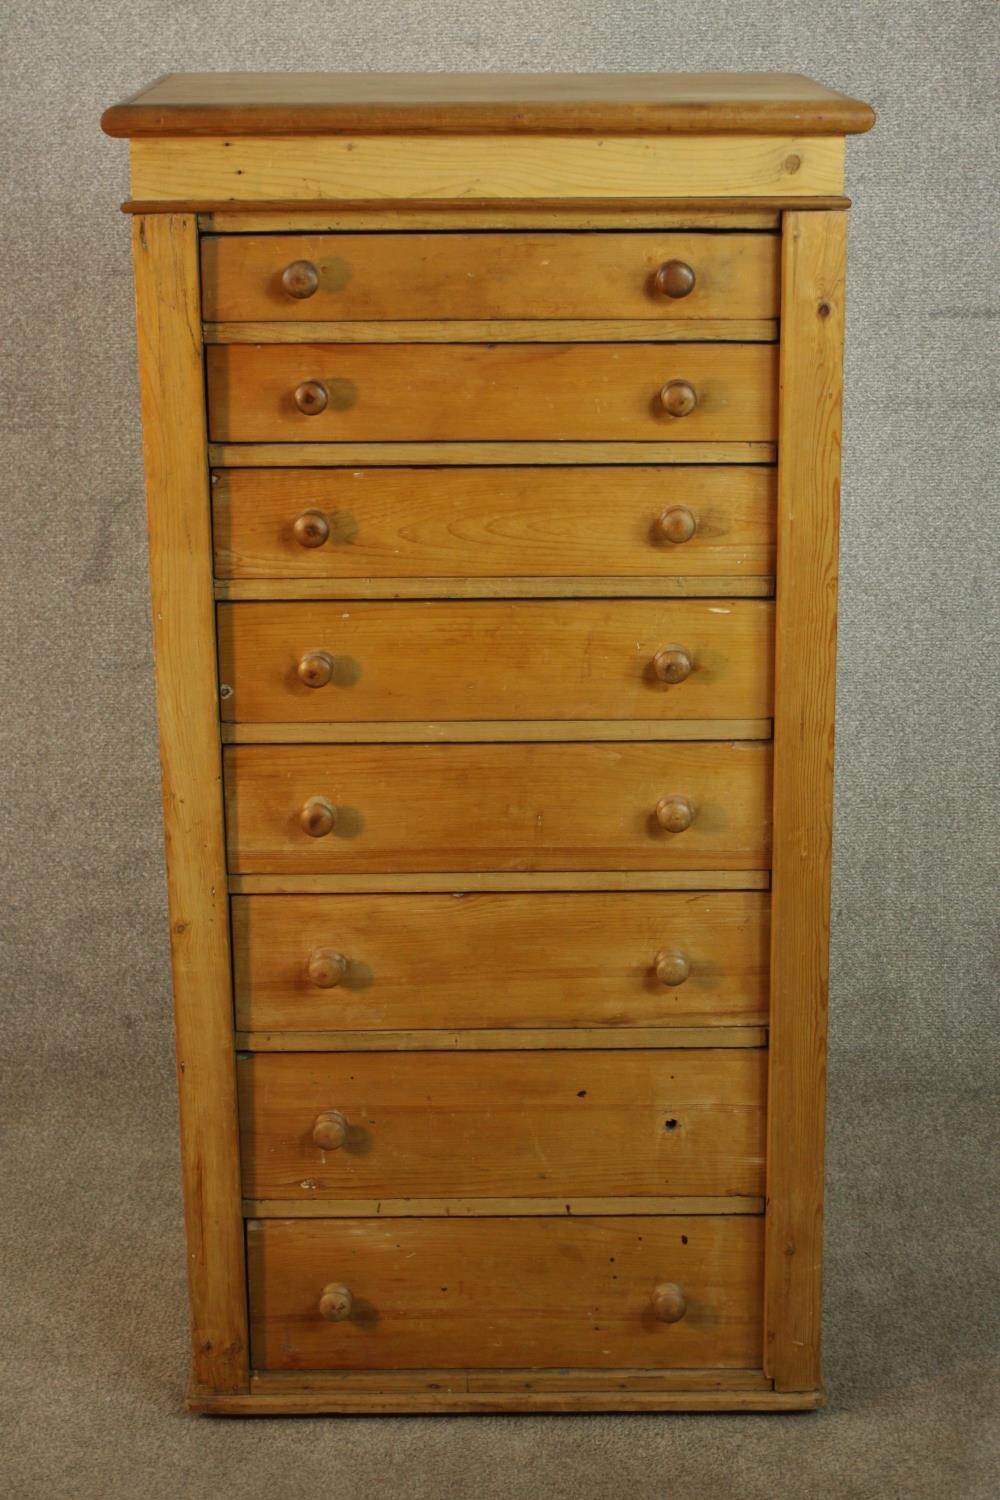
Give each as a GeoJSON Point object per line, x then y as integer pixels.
{"type": "Point", "coordinates": [510, 331]}
{"type": "Point", "coordinates": [301, 217]}
{"type": "Point", "coordinates": [493, 960]}
{"type": "Point", "coordinates": [394, 455]}
{"type": "Point", "coordinates": [292, 884]}
{"type": "Point", "coordinates": [303, 103]}
{"type": "Point", "coordinates": [253, 169]}
{"type": "Point", "coordinates": [384, 1381]}
{"type": "Point", "coordinates": [527, 392]}
{"type": "Point", "coordinates": [494, 1208]}
{"type": "Point", "coordinates": [463, 1124]}
{"type": "Point", "coordinates": [506, 1293]}
{"type": "Point", "coordinates": [171, 388]}
{"type": "Point", "coordinates": [370, 1403]}
{"type": "Point", "coordinates": [470, 731]}
{"type": "Point", "coordinates": [461, 523]}
{"type": "Point", "coordinates": [541, 1039]}
{"type": "Point", "coordinates": [492, 276]}
{"type": "Point", "coordinates": [663, 587]}
{"type": "Point", "coordinates": [486, 631]}
{"type": "Point", "coordinates": [410, 808]}
{"type": "Point", "coordinates": [814, 250]}
{"type": "Point", "coordinates": [529, 659]}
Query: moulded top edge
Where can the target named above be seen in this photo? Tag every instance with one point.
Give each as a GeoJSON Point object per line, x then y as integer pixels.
{"type": "Point", "coordinates": [221, 104]}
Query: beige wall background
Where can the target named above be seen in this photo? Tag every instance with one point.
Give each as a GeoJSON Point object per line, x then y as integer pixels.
{"type": "Point", "coordinates": [92, 1258]}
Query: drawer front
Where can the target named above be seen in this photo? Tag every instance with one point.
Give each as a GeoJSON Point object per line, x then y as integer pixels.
{"type": "Point", "coordinates": [407, 808]}
{"type": "Point", "coordinates": [382, 963]}
{"type": "Point", "coordinates": [506, 1293]}
{"type": "Point", "coordinates": [686, 1123]}
{"type": "Point", "coordinates": [488, 659]}
{"type": "Point", "coordinates": [558, 522]}
{"type": "Point", "coordinates": [402, 276]}
{"type": "Point", "coordinates": [523, 392]}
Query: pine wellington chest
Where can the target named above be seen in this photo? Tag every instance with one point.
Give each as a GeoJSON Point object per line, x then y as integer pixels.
{"type": "Point", "coordinates": [492, 448]}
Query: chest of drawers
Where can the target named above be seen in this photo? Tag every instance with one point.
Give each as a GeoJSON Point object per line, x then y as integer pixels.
{"type": "Point", "coordinates": [492, 437]}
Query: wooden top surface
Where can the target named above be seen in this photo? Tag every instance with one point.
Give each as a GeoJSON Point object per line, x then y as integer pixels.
{"type": "Point", "coordinates": [381, 103]}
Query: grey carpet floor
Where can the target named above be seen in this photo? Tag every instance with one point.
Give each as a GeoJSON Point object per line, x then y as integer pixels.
{"type": "Point", "coordinates": [93, 1319]}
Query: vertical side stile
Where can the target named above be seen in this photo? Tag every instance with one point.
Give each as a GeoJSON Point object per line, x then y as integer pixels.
{"type": "Point", "coordinates": [812, 326]}
{"type": "Point", "coordinates": [165, 248]}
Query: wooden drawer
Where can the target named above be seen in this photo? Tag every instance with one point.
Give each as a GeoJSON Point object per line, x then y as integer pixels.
{"type": "Point", "coordinates": [454, 523]}
{"type": "Point", "coordinates": [445, 276]}
{"type": "Point", "coordinates": [497, 807]}
{"type": "Point", "coordinates": [506, 1293]}
{"type": "Point", "coordinates": [496, 659]}
{"type": "Point", "coordinates": [512, 392]}
{"type": "Point", "coordinates": [672, 1122]}
{"type": "Point", "coordinates": [545, 959]}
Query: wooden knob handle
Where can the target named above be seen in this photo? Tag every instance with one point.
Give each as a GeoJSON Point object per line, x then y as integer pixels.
{"type": "Point", "coordinates": [673, 664]}
{"type": "Point", "coordinates": [311, 397]}
{"type": "Point", "coordinates": [301, 279]}
{"type": "Point", "coordinates": [311, 529]}
{"type": "Point", "coordinates": [672, 966]}
{"type": "Point", "coordinates": [674, 814]}
{"type": "Point", "coordinates": [669, 1302]}
{"type": "Point", "coordinates": [330, 1130]}
{"type": "Point", "coordinates": [675, 278]}
{"type": "Point", "coordinates": [677, 524]}
{"type": "Point", "coordinates": [327, 968]}
{"type": "Point", "coordinates": [318, 817]}
{"type": "Point", "coordinates": [336, 1303]}
{"type": "Point", "coordinates": [315, 669]}
{"type": "Point", "coordinates": [678, 398]}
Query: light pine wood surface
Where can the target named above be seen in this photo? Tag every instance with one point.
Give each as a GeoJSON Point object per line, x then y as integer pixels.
{"type": "Point", "coordinates": [573, 807]}
{"type": "Point", "coordinates": [172, 395]}
{"type": "Point", "coordinates": [451, 524]}
{"type": "Point", "coordinates": [461, 1124]}
{"type": "Point", "coordinates": [506, 1292]}
{"type": "Point", "coordinates": [466, 731]}
{"type": "Point", "coordinates": [211, 171]}
{"type": "Point", "coordinates": [699, 214]}
{"type": "Point", "coordinates": [814, 249]}
{"type": "Point", "coordinates": [462, 392]}
{"type": "Point", "coordinates": [722, 1033]}
{"type": "Point", "coordinates": [492, 452]}
{"type": "Point", "coordinates": [489, 960]}
{"type": "Point", "coordinates": [421, 103]}
{"type": "Point", "coordinates": [507, 331]}
{"type": "Point", "coordinates": [529, 659]}
{"type": "Point", "coordinates": [292, 884]}
{"type": "Point", "coordinates": [259, 455]}
{"type": "Point", "coordinates": [331, 1382]}
{"type": "Point", "coordinates": [498, 276]}
{"type": "Point", "coordinates": [494, 1208]}
{"type": "Point", "coordinates": [290, 1402]}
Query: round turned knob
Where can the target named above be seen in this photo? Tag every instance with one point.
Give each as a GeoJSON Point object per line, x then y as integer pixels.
{"type": "Point", "coordinates": [677, 524]}
{"type": "Point", "coordinates": [335, 1303]}
{"type": "Point", "coordinates": [301, 279]}
{"type": "Point", "coordinates": [674, 814]}
{"type": "Point", "coordinates": [669, 1302]}
{"type": "Point", "coordinates": [311, 529]}
{"type": "Point", "coordinates": [672, 966]}
{"type": "Point", "coordinates": [675, 278]}
{"type": "Point", "coordinates": [311, 397]}
{"type": "Point", "coordinates": [326, 968]}
{"type": "Point", "coordinates": [330, 1130]}
{"type": "Point", "coordinates": [315, 669]}
{"type": "Point", "coordinates": [318, 817]}
{"type": "Point", "coordinates": [673, 664]}
{"type": "Point", "coordinates": [678, 398]}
